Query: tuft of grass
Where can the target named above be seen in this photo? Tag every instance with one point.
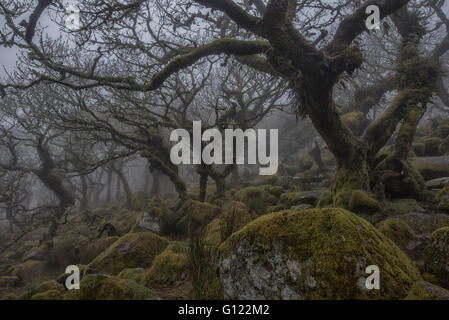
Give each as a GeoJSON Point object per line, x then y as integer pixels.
{"type": "Point", "coordinates": [228, 226]}
{"type": "Point", "coordinates": [202, 261]}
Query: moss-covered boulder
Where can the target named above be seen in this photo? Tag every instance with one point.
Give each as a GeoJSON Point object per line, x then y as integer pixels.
{"type": "Point", "coordinates": [234, 217]}
{"type": "Point", "coordinates": [130, 251]}
{"type": "Point", "coordinates": [436, 256]}
{"type": "Point", "coordinates": [275, 191]}
{"type": "Point", "coordinates": [124, 220]}
{"type": "Point", "coordinates": [29, 271]}
{"type": "Point", "coordinates": [103, 287]}
{"type": "Point", "coordinates": [194, 215]}
{"type": "Point", "coordinates": [312, 254]}
{"type": "Point", "coordinates": [133, 274]}
{"type": "Point", "coordinates": [423, 290]}
{"type": "Point", "coordinates": [425, 224]}
{"type": "Point", "coordinates": [291, 199]}
{"type": "Point", "coordinates": [402, 206]}
{"type": "Point", "coordinates": [45, 286]}
{"type": "Point", "coordinates": [92, 248]}
{"type": "Point", "coordinates": [257, 199]}
{"type": "Point", "coordinates": [168, 269]}
{"type": "Point", "coordinates": [49, 295]}
{"type": "Point", "coordinates": [154, 217]}
{"type": "Point", "coordinates": [397, 230]}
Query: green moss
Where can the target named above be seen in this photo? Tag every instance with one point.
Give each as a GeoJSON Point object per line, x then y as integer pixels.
{"type": "Point", "coordinates": [346, 180]}
{"type": "Point", "coordinates": [356, 121]}
{"type": "Point", "coordinates": [423, 290]}
{"type": "Point", "coordinates": [234, 217]}
{"type": "Point", "coordinates": [401, 206]}
{"type": "Point", "coordinates": [277, 208]}
{"type": "Point", "coordinates": [257, 199]}
{"type": "Point", "coordinates": [213, 231]}
{"type": "Point", "coordinates": [130, 251]}
{"type": "Point", "coordinates": [168, 269]}
{"type": "Point", "coordinates": [133, 274]}
{"type": "Point", "coordinates": [9, 296]}
{"type": "Point", "coordinates": [436, 256]}
{"type": "Point", "coordinates": [430, 278]}
{"type": "Point", "coordinates": [9, 281]}
{"type": "Point", "coordinates": [46, 286]}
{"type": "Point", "coordinates": [102, 287]}
{"type": "Point", "coordinates": [93, 248]}
{"type": "Point", "coordinates": [361, 202]}
{"type": "Point", "coordinates": [291, 199]}
{"type": "Point", "coordinates": [275, 191]}
{"type": "Point", "coordinates": [324, 200]}
{"type": "Point", "coordinates": [195, 214]}
{"type": "Point", "coordinates": [399, 178]}
{"type": "Point", "coordinates": [330, 247]}
{"type": "Point", "coordinates": [239, 213]}
{"type": "Point", "coordinates": [29, 271]}
{"type": "Point", "coordinates": [48, 295]}
{"type": "Point", "coordinates": [442, 199]}
{"type": "Point", "coordinates": [397, 230]}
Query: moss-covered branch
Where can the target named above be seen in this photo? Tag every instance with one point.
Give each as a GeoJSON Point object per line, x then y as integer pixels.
{"type": "Point", "coordinates": [234, 11]}
{"type": "Point", "coordinates": [226, 46]}
{"type": "Point", "coordinates": [354, 24]}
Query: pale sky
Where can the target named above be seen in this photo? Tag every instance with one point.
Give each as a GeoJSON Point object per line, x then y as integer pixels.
{"type": "Point", "coordinates": [8, 56]}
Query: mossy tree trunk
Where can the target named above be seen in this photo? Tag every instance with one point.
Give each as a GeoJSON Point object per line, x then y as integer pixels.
{"type": "Point", "coordinates": [155, 185]}
{"type": "Point", "coordinates": [47, 175]}
{"type": "Point", "coordinates": [417, 75]}
{"type": "Point", "coordinates": [158, 156]}
{"type": "Point", "coordinates": [121, 180]}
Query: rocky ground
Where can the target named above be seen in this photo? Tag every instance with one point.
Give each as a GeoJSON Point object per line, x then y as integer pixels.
{"type": "Point", "coordinates": [278, 238]}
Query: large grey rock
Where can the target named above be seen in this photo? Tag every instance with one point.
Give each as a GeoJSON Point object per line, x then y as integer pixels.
{"type": "Point", "coordinates": [150, 222]}
{"type": "Point", "coordinates": [312, 254]}
{"type": "Point", "coordinates": [424, 224]}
